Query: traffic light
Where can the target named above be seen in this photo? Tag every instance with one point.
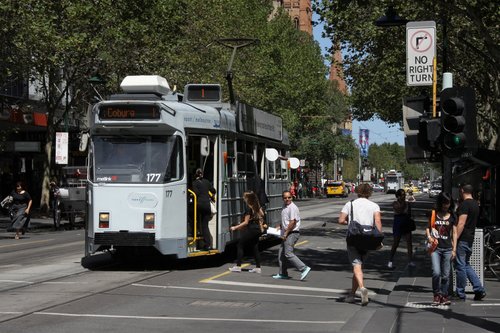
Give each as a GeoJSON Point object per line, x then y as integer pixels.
{"type": "Point", "coordinates": [458, 122]}
{"type": "Point", "coordinates": [429, 131]}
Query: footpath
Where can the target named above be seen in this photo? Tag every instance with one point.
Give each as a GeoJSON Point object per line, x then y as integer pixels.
{"type": "Point", "coordinates": [407, 305]}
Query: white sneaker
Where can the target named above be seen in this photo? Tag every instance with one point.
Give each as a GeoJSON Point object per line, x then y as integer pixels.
{"type": "Point", "coordinates": [389, 264]}
{"type": "Point", "coordinates": [364, 296]}
{"type": "Point", "coordinates": [411, 264]}
{"type": "Point", "coordinates": [349, 298]}
{"type": "Point", "coordinates": [257, 270]}
{"type": "Point", "coordinates": [235, 269]}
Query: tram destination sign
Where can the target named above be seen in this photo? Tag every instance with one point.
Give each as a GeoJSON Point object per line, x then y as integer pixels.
{"type": "Point", "coordinates": [129, 112]}
{"type": "Point", "coordinates": [420, 52]}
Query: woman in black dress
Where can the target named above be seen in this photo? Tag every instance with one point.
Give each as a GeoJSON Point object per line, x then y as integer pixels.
{"type": "Point", "coordinates": [20, 210]}
{"type": "Point", "coordinates": [202, 187]}
{"type": "Point", "coordinates": [252, 227]}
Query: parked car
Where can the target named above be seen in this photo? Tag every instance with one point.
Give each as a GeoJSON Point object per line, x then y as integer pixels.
{"type": "Point", "coordinates": [377, 188]}
{"type": "Point", "coordinates": [434, 191]}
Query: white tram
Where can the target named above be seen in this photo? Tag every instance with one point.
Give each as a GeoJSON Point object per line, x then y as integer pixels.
{"type": "Point", "coordinates": [144, 148]}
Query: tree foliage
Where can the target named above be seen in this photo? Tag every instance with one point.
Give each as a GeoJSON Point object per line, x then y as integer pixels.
{"type": "Point", "coordinates": [374, 62]}
{"type": "Point", "coordinates": [389, 156]}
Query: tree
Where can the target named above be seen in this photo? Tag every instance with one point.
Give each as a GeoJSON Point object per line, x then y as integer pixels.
{"type": "Point", "coordinates": [375, 57]}
{"type": "Point", "coordinates": [60, 44]}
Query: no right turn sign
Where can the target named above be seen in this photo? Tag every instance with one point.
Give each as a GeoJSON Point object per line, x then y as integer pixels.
{"type": "Point", "coordinates": [420, 52]}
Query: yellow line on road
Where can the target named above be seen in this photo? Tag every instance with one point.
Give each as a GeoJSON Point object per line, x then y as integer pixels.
{"type": "Point", "coordinates": [26, 243]}
{"type": "Point", "coordinates": [222, 274]}
{"type": "Point", "coordinates": [301, 243]}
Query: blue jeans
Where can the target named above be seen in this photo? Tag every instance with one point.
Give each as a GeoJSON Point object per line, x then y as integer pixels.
{"type": "Point", "coordinates": [441, 266]}
{"type": "Point", "coordinates": [464, 270]}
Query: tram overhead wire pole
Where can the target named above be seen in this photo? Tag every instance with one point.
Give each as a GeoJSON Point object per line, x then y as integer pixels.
{"type": "Point", "coordinates": [234, 44]}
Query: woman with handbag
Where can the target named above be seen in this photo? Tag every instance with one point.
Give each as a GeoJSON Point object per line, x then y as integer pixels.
{"type": "Point", "coordinates": [204, 193]}
{"type": "Point", "coordinates": [401, 227]}
{"type": "Point", "coordinates": [367, 213]}
{"type": "Point", "coordinates": [443, 229]}
{"type": "Point", "coordinates": [252, 227]}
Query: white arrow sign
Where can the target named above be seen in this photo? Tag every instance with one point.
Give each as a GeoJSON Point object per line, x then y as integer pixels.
{"type": "Point", "coordinates": [420, 52]}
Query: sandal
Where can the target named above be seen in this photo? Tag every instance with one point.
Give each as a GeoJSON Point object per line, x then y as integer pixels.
{"type": "Point", "coordinates": [16, 237]}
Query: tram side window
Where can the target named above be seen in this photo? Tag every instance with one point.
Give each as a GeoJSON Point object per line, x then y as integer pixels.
{"type": "Point", "coordinates": [246, 165]}
{"type": "Point", "coordinates": [231, 160]}
{"type": "Point", "coordinates": [283, 165]}
{"type": "Point", "coordinates": [271, 168]}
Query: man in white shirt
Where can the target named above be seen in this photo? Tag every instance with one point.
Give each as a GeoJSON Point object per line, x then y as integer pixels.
{"type": "Point", "coordinates": [290, 226]}
{"type": "Point", "coordinates": [365, 212]}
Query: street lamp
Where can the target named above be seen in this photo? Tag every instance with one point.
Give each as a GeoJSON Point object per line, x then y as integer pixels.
{"type": "Point", "coordinates": [391, 19]}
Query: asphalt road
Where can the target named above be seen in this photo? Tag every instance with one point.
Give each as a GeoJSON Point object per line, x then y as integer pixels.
{"type": "Point", "coordinates": [44, 287]}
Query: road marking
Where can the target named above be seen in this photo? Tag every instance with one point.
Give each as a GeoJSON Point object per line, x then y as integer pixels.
{"type": "Point", "coordinates": [425, 305]}
{"type": "Point", "coordinates": [273, 286]}
{"type": "Point", "coordinates": [15, 281]}
{"type": "Point", "coordinates": [485, 304]}
{"type": "Point", "coordinates": [301, 243]}
{"type": "Point", "coordinates": [27, 243]}
{"type": "Point", "coordinates": [222, 274]}
{"type": "Point", "coordinates": [233, 291]}
{"type": "Point", "coordinates": [63, 282]}
{"type": "Point", "coordinates": [89, 315]}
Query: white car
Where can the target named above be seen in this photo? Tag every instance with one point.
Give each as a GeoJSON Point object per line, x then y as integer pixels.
{"type": "Point", "coordinates": [434, 191]}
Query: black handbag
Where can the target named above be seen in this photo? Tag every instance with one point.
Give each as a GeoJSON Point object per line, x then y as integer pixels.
{"type": "Point", "coordinates": [363, 237]}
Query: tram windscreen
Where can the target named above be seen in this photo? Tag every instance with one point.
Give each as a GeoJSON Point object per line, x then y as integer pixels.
{"type": "Point", "coordinates": [137, 159]}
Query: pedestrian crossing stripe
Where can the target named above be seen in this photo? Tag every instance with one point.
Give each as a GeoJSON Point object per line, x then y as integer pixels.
{"type": "Point", "coordinates": [425, 305]}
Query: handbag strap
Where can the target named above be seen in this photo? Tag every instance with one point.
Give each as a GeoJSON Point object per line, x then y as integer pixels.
{"type": "Point", "coordinates": [433, 218]}
{"type": "Point", "coordinates": [351, 217]}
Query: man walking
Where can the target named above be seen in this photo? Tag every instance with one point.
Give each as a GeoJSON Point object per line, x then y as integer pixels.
{"type": "Point", "coordinates": [289, 228]}
{"type": "Point", "coordinates": [468, 213]}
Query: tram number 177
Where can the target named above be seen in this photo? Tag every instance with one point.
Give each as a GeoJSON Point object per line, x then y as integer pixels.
{"type": "Point", "coordinates": [153, 177]}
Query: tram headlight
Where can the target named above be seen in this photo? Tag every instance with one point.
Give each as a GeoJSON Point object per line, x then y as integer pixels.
{"type": "Point", "coordinates": [103, 220]}
{"type": "Point", "coordinates": [149, 220]}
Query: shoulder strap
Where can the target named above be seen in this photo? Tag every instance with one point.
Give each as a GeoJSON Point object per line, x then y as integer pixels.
{"type": "Point", "coordinates": [433, 218]}
{"type": "Point", "coordinates": [352, 212]}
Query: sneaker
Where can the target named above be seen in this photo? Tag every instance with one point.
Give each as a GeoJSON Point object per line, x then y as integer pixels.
{"type": "Point", "coordinates": [479, 296]}
{"type": "Point", "coordinates": [257, 270]}
{"type": "Point", "coordinates": [281, 277]}
{"type": "Point", "coordinates": [349, 298]}
{"type": "Point", "coordinates": [389, 264]}
{"type": "Point", "coordinates": [235, 269]}
{"type": "Point", "coordinates": [364, 296]}
{"type": "Point", "coordinates": [445, 300]}
{"type": "Point", "coordinates": [305, 272]}
{"type": "Point", "coordinates": [411, 264]}
{"type": "Point", "coordinates": [436, 300]}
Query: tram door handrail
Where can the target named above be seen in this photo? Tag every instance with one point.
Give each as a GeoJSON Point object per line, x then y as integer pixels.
{"type": "Point", "coordinates": [195, 217]}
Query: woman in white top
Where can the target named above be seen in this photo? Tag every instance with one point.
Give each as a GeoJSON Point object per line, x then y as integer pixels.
{"type": "Point", "coordinates": [365, 212]}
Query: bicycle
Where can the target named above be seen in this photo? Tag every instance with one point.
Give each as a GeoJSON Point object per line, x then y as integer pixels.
{"type": "Point", "coordinates": [492, 250]}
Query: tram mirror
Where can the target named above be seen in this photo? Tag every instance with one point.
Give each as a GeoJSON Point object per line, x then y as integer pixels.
{"type": "Point", "coordinates": [204, 147]}
{"type": "Point", "coordinates": [294, 162]}
{"type": "Point", "coordinates": [272, 154]}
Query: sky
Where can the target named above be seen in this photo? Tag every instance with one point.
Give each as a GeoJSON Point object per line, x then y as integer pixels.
{"type": "Point", "coordinates": [379, 131]}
